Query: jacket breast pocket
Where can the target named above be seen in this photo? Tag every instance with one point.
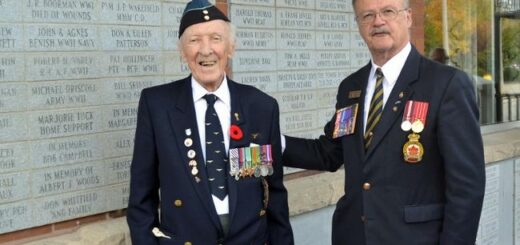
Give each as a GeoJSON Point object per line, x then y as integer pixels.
{"type": "Point", "coordinates": [423, 213]}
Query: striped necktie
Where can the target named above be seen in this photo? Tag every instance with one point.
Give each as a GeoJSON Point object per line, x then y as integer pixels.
{"type": "Point", "coordinates": [215, 150]}
{"type": "Point", "coordinates": [376, 108]}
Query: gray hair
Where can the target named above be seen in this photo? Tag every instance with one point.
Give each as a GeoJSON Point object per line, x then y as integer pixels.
{"type": "Point", "coordinates": [232, 35]}
{"type": "Point", "coordinates": [406, 4]}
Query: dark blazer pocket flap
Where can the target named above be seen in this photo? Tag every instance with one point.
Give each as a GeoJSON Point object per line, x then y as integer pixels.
{"type": "Point", "coordinates": [423, 213]}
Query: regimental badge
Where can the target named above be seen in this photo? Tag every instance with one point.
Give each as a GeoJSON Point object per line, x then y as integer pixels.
{"type": "Point", "coordinates": [345, 121]}
{"type": "Point", "coordinates": [413, 150]}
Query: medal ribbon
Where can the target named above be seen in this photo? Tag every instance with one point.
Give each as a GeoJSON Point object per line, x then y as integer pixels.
{"type": "Point", "coordinates": [420, 111]}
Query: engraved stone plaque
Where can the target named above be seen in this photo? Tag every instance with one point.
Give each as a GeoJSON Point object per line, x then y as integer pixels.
{"type": "Point", "coordinates": [295, 19]}
{"type": "Point", "coordinates": [63, 94]}
{"type": "Point", "coordinates": [254, 61]}
{"type": "Point", "coordinates": [13, 127]}
{"type": "Point", "coordinates": [68, 178]}
{"type": "Point", "coordinates": [55, 37]}
{"type": "Point", "coordinates": [117, 64]}
{"type": "Point", "coordinates": [130, 38]}
{"type": "Point", "coordinates": [296, 60]}
{"type": "Point", "coordinates": [50, 124]}
{"type": "Point", "coordinates": [333, 5]}
{"type": "Point", "coordinates": [249, 16]}
{"type": "Point", "coordinates": [292, 81]}
{"type": "Point", "coordinates": [126, 90]}
{"type": "Point", "coordinates": [64, 11]}
{"type": "Point", "coordinates": [291, 39]}
{"type": "Point", "coordinates": [265, 81]}
{"type": "Point", "coordinates": [70, 205]}
{"type": "Point", "coordinates": [13, 186]}
{"type": "Point", "coordinates": [255, 39]}
{"type": "Point", "coordinates": [130, 12]}
{"type": "Point", "coordinates": [66, 150]}
{"type": "Point", "coordinates": [298, 121]}
{"type": "Point", "coordinates": [117, 144]}
{"type": "Point", "coordinates": [118, 170]}
{"type": "Point", "coordinates": [119, 117]}
{"type": "Point", "coordinates": [297, 101]}
{"type": "Point", "coordinates": [11, 67]}
{"type": "Point", "coordinates": [58, 66]}
{"type": "Point", "coordinates": [11, 37]}
{"type": "Point", "coordinates": [10, 93]}
{"type": "Point", "coordinates": [303, 4]}
{"type": "Point", "coordinates": [14, 157]}
{"type": "Point", "coordinates": [117, 196]}
{"type": "Point", "coordinates": [14, 216]}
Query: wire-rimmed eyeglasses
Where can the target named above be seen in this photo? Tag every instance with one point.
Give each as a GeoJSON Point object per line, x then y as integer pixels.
{"type": "Point", "coordinates": [385, 14]}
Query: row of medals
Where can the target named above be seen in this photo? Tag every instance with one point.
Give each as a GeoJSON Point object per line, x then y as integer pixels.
{"type": "Point", "coordinates": [244, 168]}
{"type": "Point", "coordinates": [250, 164]}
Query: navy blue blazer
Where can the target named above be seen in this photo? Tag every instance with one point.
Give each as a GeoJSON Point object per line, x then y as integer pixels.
{"type": "Point", "coordinates": [390, 201]}
{"type": "Point", "coordinates": [161, 177]}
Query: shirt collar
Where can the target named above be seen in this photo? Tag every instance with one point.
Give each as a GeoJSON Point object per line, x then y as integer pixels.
{"type": "Point", "coordinates": [393, 67]}
{"type": "Point", "coordinates": [222, 91]}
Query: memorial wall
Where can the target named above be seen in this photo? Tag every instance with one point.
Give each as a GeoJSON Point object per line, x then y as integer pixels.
{"type": "Point", "coordinates": [71, 72]}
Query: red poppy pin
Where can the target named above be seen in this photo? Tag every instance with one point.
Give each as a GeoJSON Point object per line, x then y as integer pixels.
{"type": "Point", "coordinates": [235, 132]}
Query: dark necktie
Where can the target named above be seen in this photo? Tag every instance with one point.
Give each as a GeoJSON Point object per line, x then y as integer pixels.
{"type": "Point", "coordinates": [376, 108]}
{"type": "Point", "coordinates": [215, 150]}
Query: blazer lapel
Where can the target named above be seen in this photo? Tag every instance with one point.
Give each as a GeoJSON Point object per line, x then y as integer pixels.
{"type": "Point", "coordinates": [184, 123]}
{"type": "Point", "coordinates": [237, 118]}
{"type": "Point", "coordinates": [399, 95]}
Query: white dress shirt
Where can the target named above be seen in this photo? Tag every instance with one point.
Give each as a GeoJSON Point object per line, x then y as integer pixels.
{"type": "Point", "coordinates": [391, 71]}
{"type": "Point", "coordinates": [223, 109]}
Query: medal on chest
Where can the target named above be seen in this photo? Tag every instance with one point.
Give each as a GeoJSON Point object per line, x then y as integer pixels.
{"type": "Point", "coordinates": [414, 119]}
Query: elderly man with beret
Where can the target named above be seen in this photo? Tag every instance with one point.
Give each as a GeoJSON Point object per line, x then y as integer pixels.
{"type": "Point", "coordinates": [206, 165]}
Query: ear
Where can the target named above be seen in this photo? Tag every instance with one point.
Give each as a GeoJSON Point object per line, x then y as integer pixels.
{"type": "Point", "coordinates": [409, 20]}
{"type": "Point", "coordinates": [231, 50]}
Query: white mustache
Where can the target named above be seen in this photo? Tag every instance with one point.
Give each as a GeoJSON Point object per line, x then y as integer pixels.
{"type": "Point", "coordinates": [379, 30]}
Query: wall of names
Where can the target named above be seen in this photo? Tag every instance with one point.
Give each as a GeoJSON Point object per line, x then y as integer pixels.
{"type": "Point", "coordinates": [71, 72]}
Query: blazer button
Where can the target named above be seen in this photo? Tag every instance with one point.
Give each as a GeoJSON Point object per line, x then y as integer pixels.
{"type": "Point", "coordinates": [366, 186]}
{"type": "Point", "coordinates": [187, 243]}
{"type": "Point", "coordinates": [262, 212]}
{"type": "Point", "coordinates": [177, 203]}
{"type": "Point", "coordinates": [363, 218]}
{"type": "Point", "coordinates": [394, 108]}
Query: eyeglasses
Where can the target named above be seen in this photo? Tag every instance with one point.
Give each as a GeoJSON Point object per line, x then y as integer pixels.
{"type": "Point", "coordinates": [385, 14]}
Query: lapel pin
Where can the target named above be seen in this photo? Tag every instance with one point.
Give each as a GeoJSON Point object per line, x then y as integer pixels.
{"type": "Point", "coordinates": [188, 131]}
{"type": "Point", "coordinates": [191, 154]}
{"type": "Point", "coordinates": [401, 95]}
{"type": "Point", "coordinates": [255, 135]}
{"type": "Point", "coordinates": [194, 171]}
{"type": "Point", "coordinates": [235, 132]}
{"type": "Point", "coordinates": [354, 94]}
{"type": "Point", "coordinates": [237, 116]}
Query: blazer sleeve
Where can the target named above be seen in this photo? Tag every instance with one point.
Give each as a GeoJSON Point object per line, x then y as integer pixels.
{"type": "Point", "coordinates": [461, 147]}
{"type": "Point", "coordinates": [142, 212]}
{"type": "Point", "coordinates": [324, 153]}
{"type": "Point", "coordinates": [279, 228]}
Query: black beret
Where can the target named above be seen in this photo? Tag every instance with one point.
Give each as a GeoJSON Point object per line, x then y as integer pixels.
{"type": "Point", "coordinates": [198, 11]}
